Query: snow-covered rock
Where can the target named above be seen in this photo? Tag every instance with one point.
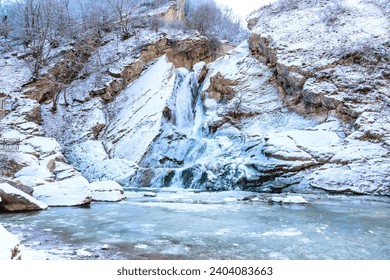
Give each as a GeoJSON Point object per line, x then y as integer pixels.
{"type": "Point", "coordinates": [86, 154]}
{"type": "Point", "coordinates": [288, 200]}
{"type": "Point", "coordinates": [93, 162]}
{"type": "Point", "coordinates": [13, 199]}
{"type": "Point", "coordinates": [37, 171]}
{"type": "Point", "coordinates": [9, 245]}
{"type": "Point", "coordinates": [137, 112]}
{"type": "Point", "coordinates": [83, 253]}
{"type": "Point", "coordinates": [338, 49]}
{"type": "Point", "coordinates": [106, 191]}
{"type": "Point", "coordinates": [26, 159]}
{"type": "Point", "coordinates": [70, 192]}
{"type": "Point", "coordinates": [358, 177]}
{"type": "Point", "coordinates": [31, 181]}
{"type": "Point", "coordinates": [43, 145]}
{"type": "Point", "coordinates": [304, 145]}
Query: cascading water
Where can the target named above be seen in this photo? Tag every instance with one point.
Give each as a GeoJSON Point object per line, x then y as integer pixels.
{"type": "Point", "coordinates": [189, 113]}
{"type": "Point", "coordinates": [184, 114]}
{"type": "Point", "coordinates": [199, 112]}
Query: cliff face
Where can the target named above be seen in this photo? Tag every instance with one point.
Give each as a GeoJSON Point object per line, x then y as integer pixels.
{"type": "Point", "coordinates": [305, 110]}
{"type": "Point", "coordinates": [176, 12]}
{"type": "Point", "coordinates": [332, 58]}
{"type": "Point", "coordinates": [303, 106]}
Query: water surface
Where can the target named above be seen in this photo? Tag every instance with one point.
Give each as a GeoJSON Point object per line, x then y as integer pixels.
{"type": "Point", "coordinates": [188, 225]}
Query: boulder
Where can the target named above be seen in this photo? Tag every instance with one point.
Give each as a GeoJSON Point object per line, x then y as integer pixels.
{"type": "Point", "coordinates": [30, 181]}
{"type": "Point", "coordinates": [43, 145]}
{"type": "Point", "coordinates": [37, 171]}
{"type": "Point", "coordinates": [70, 192]}
{"type": "Point", "coordinates": [13, 199]}
{"type": "Point", "coordinates": [106, 191]}
{"type": "Point", "coordinates": [288, 200]}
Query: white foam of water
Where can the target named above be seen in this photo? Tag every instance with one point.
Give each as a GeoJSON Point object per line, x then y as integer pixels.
{"type": "Point", "coordinates": [141, 246]}
{"type": "Point", "coordinates": [285, 232]}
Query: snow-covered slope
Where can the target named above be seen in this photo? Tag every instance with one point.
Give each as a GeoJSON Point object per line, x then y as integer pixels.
{"type": "Point", "coordinates": [9, 245]}
{"type": "Point", "coordinates": [136, 113]}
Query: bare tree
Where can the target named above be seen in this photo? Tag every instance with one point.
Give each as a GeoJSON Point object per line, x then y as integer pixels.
{"type": "Point", "coordinates": [156, 23]}
{"type": "Point", "coordinates": [94, 18]}
{"type": "Point", "coordinates": [229, 26]}
{"type": "Point", "coordinates": [122, 10]}
{"type": "Point", "coordinates": [203, 17]}
{"type": "Point", "coordinates": [211, 20]}
{"type": "Point", "coordinates": [5, 27]}
{"type": "Point", "coordinates": [38, 18]}
{"type": "Point", "coordinates": [63, 22]}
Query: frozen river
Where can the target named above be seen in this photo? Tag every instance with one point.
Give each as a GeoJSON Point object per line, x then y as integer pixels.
{"type": "Point", "coordinates": [188, 225]}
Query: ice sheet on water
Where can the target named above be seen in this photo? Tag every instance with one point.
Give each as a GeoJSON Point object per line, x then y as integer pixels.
{"type": "Point", "coordinates": [283, 232]}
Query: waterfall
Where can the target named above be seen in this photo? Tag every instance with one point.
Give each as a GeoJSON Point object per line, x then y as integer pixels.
{"type": "Point", "coordinates": [184, 113]}
{"type": "Point", "coordinates": [198, 110]}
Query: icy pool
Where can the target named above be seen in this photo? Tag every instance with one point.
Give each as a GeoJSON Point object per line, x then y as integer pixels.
{"type": "Point", "coordinates": [188, 225]}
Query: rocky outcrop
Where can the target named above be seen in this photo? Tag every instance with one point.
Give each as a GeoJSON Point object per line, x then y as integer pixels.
{"type": "Point", "coordinates": [13, 200]}
{"type": "Point", "coordinates": [63, 72]}
{"type": "Point", "coordinates": [39, 172]}
{"type": "Point", "coordinates": [339, 68]}
{"type": "Point", "coordinates": [339, 71]}
{"type": "Point", "coordinates": [176, 13]}
{"type": "Point", "coordinates": [94, 163]}
{"type": "Point", "coordinates": [186, 53]}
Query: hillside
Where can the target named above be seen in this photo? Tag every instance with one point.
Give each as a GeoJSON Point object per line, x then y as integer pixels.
{"type": "Point", "coordinates": [139, 102]}
{"type": "Point", "coordinates": [302, 106]}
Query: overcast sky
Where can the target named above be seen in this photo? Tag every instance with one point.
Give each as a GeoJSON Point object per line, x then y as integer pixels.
{"type": "Point", "coordinates": [244, 7]}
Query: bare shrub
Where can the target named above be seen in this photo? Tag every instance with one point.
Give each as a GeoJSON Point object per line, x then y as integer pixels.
{"type": "Point", "coordinates": [94, 18]}
{"type": "Point", "coordinates": [213, 21]}
{"type": "Point", "coordinates": [156, 23]}
{"type": "Point", "coordinates": [5, 28]}
{"type": "Point", "coordinates": [286, 5]}
{"type": "Point", "coordinates": [214, 44]}
{"type": "Point", "coordinates": [333, 12]}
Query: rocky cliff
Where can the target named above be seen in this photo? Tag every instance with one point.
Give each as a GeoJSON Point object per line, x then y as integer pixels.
{"type": "Point", "coordinates": [332, 58]}
{"type": "Point", "coordinates": [302, 106]}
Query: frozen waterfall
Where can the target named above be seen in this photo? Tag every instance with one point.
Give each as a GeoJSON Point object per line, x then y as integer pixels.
{"type": "Point", "coordinates": [185, 99]}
